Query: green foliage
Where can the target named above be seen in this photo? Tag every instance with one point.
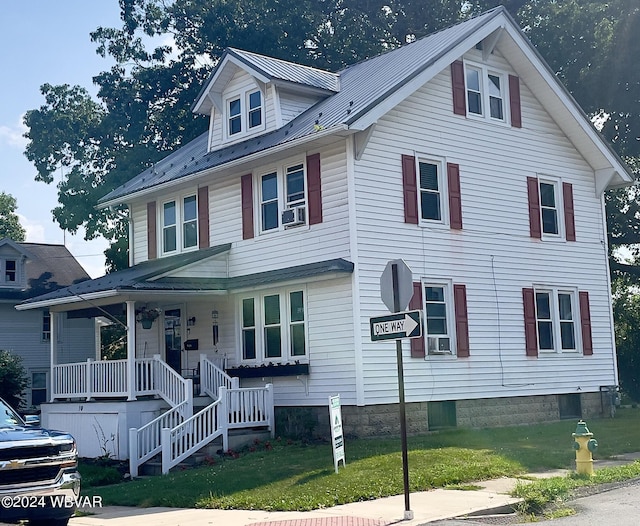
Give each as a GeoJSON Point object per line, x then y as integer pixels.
{"type": "Point", "coordinates": [541, 493]}
{"type": "Point", "coordinates": [9, 223]}
{"type": "Point", "coordinates": [626, 308]}
{"type": "Point", "coordinates": [113, 340]}
{"type": "Point", "coordinates": [13, 379]}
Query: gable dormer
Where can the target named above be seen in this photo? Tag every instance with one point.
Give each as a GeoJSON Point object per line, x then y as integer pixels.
{"type": "Point", "coordinates": [248, 95]}
{"type": "Point", "coordinates": [12, 265]}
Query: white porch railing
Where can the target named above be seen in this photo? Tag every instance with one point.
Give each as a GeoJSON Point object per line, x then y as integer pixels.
{"type": "Point", "coordinates": [108, 378]}
{"type": "Point", "coordinates": [234, 408]}
{"type": "Point", "coordinates": [90, 379]}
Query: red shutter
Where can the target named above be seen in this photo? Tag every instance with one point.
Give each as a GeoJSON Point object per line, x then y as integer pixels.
{"type": "Point", "coordinates": [246, 188]}
{"type": "Point", "coordinates": [417, 344]}
{"type": "Point", "coordinates": [314, 189]}
{"type": "Point", "coordinates": [462, 323]}
{"type": "Point", "coordinates": [535, 228]}
{"type": "Point", "coordinates": [530, 325]}
{"type": "Point", "coordinates": [585, 322]}
{"type": "Point", "coordinates": [569, 221]}
{"type": "Point", "coordinates": [514, 101]}
{"type": "Point", "coordinates": [455, 199]}
{"type": "Point", "coordinates": [203, 217]}
{"type": "Point", "coordinates": [457, 84]}
{"type": "Point", "coordinates": [152, 239]}
{"type": "Point", "coordinates": [410, 189]}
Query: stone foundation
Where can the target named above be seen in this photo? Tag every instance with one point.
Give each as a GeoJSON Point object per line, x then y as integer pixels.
{"type": "Point", "coordinates": [384, 420]}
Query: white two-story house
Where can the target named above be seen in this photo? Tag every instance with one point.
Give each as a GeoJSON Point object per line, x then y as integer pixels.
{"type": "Point", "coordinates": [262, 242]}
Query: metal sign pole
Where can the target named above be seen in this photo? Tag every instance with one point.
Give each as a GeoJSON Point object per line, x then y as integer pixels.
{"type": "Point", "coordinates": [408, 514]}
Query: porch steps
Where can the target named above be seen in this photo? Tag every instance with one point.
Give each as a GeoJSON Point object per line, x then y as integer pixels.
{"type": "Point", "coordinates": [238, 438]}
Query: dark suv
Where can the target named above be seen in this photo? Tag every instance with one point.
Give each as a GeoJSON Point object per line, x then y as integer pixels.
{"type": "Point", "coordinates": [39, 480]}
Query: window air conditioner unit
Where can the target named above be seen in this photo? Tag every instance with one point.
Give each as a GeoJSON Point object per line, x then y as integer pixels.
{"type": "Point", "coordinates": [294, 216]}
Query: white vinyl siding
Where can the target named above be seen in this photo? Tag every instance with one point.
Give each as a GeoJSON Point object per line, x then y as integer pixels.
{"type": "Point", "coordinates": [493, 256]}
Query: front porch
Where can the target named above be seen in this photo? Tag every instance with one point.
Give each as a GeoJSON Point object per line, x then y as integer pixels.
{"type": "Point", "coordinates": [161, 420]}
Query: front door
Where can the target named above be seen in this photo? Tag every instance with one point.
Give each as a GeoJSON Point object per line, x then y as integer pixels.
{"type": "Point", "coordinates": [173, 339]}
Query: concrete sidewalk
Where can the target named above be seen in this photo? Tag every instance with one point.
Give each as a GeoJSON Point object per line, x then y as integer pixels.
{"type": "Point", "coordinates": [427, 506]}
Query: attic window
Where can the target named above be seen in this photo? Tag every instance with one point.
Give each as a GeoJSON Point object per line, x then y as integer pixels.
{"type": "Point", "coordinates": [245, 113]}
{"type": "Point", "coordinates": [235, 117]}
{"type": "Point", "coordinates": [9, 272]}
{"type": "Point", "coordinates": [11, 268]}
{"type": "Point", "coordinates": [255, 109]}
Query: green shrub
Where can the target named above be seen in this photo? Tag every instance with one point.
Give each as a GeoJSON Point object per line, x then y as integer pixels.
{"type": "Point", "coordinates": [13, 379]}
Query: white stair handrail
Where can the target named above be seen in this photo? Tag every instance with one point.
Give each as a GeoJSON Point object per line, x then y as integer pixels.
{"type": "Point", "coordinates": [213, 377]}
{"type": "Point", "coordinates": [145, 442]}
{"type": "Point", "coordinates": [171, 387]}
{"type": "Point", "coordinates": [193, 434]}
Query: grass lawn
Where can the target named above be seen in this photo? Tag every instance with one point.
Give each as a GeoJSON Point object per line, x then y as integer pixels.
{"type": "Point", "coordinates": [282, 475]}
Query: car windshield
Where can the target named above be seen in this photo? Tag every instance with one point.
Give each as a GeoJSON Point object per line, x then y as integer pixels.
{"type": "Point", "coordinates": [8, 417]}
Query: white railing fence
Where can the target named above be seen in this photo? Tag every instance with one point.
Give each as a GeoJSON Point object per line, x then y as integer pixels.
{"type": "Point", "coordinates": [145, 442]}
{"type": "Point", "coordinates": [108, 378]}
{"type": "Point", "coordinates": [213, 377]}
{"type": "Point", "coordinates": [235, 408]}
{"type": "Point", "coordinates": [90, 379]}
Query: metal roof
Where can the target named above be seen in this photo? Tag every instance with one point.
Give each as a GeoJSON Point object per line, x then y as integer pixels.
{"type": "Point", "coordinates": [362, 86]}
{"type": "Point", "coordinates": [137, 278]}
{"type": "Point", "coordinates": [275, 68]}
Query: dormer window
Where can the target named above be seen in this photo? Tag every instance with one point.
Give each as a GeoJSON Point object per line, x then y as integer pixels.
{"type": "Point", "coordinates": [255, 109]}
{"type": "Point", "coordinates": [235, 116]}
{"type": "Point", "coordinates": [244, 113]}
{"type": "Point", "coordinates": [9, 272]}
{"type": "Point", "coordinates": [11, 269]}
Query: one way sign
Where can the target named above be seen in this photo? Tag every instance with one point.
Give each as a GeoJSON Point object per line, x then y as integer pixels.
{"type": "Point", "coordinates": [396, 326]}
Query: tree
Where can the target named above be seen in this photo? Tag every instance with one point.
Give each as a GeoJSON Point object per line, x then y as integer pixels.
{"type": "Point", "coordinates": [9, 223]}
{"type": "Point", "coordinates": [13, 379]}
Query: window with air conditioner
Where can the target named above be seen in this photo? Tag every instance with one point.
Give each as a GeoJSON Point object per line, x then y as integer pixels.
{"type": "Point", "coordinates": [283, 197]}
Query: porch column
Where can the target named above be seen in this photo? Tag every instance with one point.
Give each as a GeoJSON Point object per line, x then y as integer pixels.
{"type": "Point", "coordinates": [53, 349]}
{"type": "Point", "coordinates": [131, 350]}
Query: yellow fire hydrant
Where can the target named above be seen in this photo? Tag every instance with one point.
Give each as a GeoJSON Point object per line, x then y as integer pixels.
{"type": "Point", "coordinates": [584, 446]}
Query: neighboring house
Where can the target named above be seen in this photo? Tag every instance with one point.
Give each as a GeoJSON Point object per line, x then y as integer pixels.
{"type": "Point", "coordinates": [28, 270]}
{"type": "Point", "coordinates": [263, 240]}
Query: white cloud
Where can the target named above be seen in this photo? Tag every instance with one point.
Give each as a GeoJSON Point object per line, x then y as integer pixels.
{"type": "Point", "coordinates": [35, 230]}
{"type": "Point", "coordinates": [13, 136]}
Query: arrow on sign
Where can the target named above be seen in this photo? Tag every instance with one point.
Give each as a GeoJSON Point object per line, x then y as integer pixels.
{"type": "Point", "coordinates": [396, 326]}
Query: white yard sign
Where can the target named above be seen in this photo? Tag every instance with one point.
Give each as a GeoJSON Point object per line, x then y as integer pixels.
{"type": "Point", "coordinates": [337, 438]}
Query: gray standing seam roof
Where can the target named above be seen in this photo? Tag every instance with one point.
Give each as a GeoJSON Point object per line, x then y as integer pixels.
{"type": "Point", "coordinates": [362, 87]}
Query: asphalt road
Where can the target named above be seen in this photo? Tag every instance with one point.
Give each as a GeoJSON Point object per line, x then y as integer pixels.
{"type": "Point", "coordinates": [619, 506]}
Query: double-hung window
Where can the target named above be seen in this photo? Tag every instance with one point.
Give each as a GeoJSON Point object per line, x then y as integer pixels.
{"type": "Point", "coordinates": [431, 186]}
{"type": "Point", "coordinates": [486, 92]}
{"type": "Point", "coordinates": [179, 219]}
{"type": "Point", "coordinates": [245, 113]}
{"type": "Point", "coordinates": [274, 327]}
{"type": "Point", "coordinates": [549, 207]}
{"type": "Point", "coordinates": [438, 324]}
{"type": "Point", "coordinates": [46, 326]}
{"type": "Point", "coordinates": [9, 272]}
{"type": "Point", "coordinates": [551, 212]}
{"type": "Point", "coordinates": [282, 189]}
{"type": "Point", "coordinates": [556, 320]}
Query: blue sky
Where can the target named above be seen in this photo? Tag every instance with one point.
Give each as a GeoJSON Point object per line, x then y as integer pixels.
{"type": "Point", "coordinates": [45, 41]}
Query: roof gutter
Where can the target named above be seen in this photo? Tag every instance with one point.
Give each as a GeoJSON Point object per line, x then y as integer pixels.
{"type": "Point", "coordinates": [231, 164]}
